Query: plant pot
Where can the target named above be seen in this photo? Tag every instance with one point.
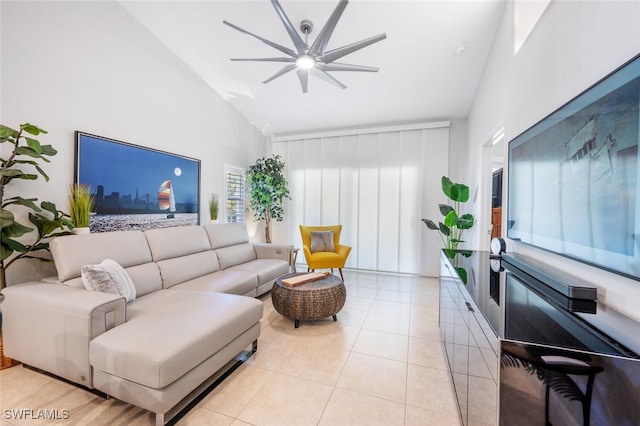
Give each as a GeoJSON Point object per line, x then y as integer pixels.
{"type": "Point", "coordinates": [4, 361]}
{"type": "Point", "coordinates": [82, 231]}
{"type": "Point", "coordinates": [214, 220]}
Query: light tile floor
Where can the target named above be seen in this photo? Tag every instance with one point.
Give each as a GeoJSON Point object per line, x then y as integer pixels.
{"type": "Point", "coordinates": [381, 363]}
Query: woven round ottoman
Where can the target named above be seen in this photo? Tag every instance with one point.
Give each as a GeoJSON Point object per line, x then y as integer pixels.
{"type": "Point", "coordinates": [313, 300]}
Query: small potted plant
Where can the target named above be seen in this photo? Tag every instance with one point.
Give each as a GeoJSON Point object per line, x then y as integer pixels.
{"type": "Point", "coordinates": [81, 202]}
{"type": "Point", "coordinates": [214, 208]}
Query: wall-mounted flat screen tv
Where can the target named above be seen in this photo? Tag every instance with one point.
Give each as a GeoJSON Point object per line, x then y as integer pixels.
{"type": "Point", "coordinates": [573, 177]}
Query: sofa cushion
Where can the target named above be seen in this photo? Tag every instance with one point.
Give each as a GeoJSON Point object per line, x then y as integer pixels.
{"type": "Point", "coordinates": [185, 268]}
{"type": "Point", "coordinates": [157, 348]}
{"type": "Point", "coordinates": [149, 303]}
{"type": "Point", "coordinates": [226, 234]}
{"type": "Point", "coordinates": [72, 252]}
{"type": "Point", "coordinates": [235, 255]}
{"type": "Point", "coordinates": [232, 282]}
{"type": "Point", "coordinates": [176, 241]}
{"type": "Point", "coordinates": [265, 269]}
{"type": "Point", "coordinates": [108, 277]}
{"type": "Point", "coordinates": [145, 277]}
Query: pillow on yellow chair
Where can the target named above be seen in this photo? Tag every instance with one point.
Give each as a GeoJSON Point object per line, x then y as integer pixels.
{"type": "Point", "coordinates": [322, 241]}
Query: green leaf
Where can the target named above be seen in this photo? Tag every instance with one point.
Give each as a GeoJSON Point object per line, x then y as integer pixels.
{"type": "Point", "coordinates": [454, 192]}
{"type": "Point", "coordinates": [48, 150]}
{"type": "Point", "coordinates": [11, 172]}
{"type": "Point", "coordinates": [26, 176]}
{"type": "Point", "coordinates": [444, 229]}
{"type": "Point", "coordinates": [445, 209]}
{"type": "Point", "coordinates": [25, 150]}
{"type": "Point", "coordinates": [430, 224]}
{"type": "Point", "coordinates": [462, 273]}
{"type": "Point", "coordinates": [451, 218]}
{"type": "Point", "coordinates": [463, 193]}
{"type": "Point", "coordinates": [465, 221]}
{"type": "Point", "coordinates": [446, 186]}
{"type": "Point", "coordinates": [450, 253]}
{"type": "Point", "coordinates": [49, 206]}
{"type": "Point", "coordinates": [15, 245]}
{"type": "Point", "coordinates": [15, 230]}
{"type": "Point", "coordinates": [32, 129]}
{"type": "Point", "coordinates": [6, 218]}
{"type": "Point", "coordinates": [44, 175]}
{"type": "Point", "coordinates": [34, 144]}
{"type": "Point", "coordinates": [7, 132]}
{"type": "Point", "coordinates": [27, 202]}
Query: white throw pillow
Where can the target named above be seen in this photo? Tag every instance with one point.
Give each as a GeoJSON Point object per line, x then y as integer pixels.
{"type": "Point", "coordinates": [108, 277]}
{"type": "Point", "coordinates": [322, 241]}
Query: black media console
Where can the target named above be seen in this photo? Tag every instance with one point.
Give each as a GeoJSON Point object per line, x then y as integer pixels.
{"type": "Point", "coordinates": [530, 345]}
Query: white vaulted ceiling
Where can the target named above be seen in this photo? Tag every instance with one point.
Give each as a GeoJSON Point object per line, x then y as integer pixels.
{"type": "Point", "coordinates": [420, 77]}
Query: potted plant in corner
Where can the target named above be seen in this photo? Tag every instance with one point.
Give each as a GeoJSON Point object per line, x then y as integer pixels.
{"type": "Point", "coordinates": [214, 208]}
{"type": "Point", "coordinates": [81, 203]}
{"type": "Point", "coordinates": [454, 223]}
{"type": "Point", "coordinates": [267, 190]}
{"type": "Point", "coordinates": [46, 220]}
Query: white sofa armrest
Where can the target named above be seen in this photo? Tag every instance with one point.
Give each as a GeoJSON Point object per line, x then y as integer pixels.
{"type": "Point", "coordinates": [273, 251]}
{"type": "Point", "coordinates": [49, 326]}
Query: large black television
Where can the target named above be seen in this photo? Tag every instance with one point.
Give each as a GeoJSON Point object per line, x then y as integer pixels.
{"type": "Point", "coordinates": [572, 177]}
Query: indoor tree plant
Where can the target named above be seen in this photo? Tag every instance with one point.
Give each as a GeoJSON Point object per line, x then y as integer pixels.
{"type": "Point", "coordinates": [267, 190]}
{"type": "Point", "coordinates": [214, 207]}
{"type": "Point", "coordinates": [46, 220]}
{"type": "Point", "coordinates": [454, 223]}
{"type": "Point", "coordinates": [81, 203]}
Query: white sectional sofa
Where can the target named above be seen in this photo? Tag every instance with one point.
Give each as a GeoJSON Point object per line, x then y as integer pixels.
{"type": "Point", "coordinates": [191, 316]}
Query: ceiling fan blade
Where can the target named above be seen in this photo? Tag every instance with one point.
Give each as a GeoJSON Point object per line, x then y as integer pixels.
{"type": "Point", "coordinates": [303, 76]}
{"type": "Point", "coordinates": [281, 48]}
{"type": "Point", "coordinates": [326, 77]}
{"type": "Point", "coordinates": [281, 72]}
{"type": "Point", "coordinates": [295, 37]}
{"type": "Point", "coordinates": [265, 59]}
{"type": "Point", "coordinates": [320, 44]}
{"type": "Point", "coordinates": [338, 53]}
{"type": "Point", "coordinates": [346, 67]}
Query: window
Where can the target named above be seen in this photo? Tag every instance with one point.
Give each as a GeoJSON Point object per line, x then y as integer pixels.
{"type": "Point", "coordinates": [235, 194]}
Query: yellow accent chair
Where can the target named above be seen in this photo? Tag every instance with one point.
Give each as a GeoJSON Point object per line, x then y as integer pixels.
{"type": "Point", "coordinates": [324, 259]}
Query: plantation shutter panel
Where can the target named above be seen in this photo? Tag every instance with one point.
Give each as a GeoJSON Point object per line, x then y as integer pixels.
{"type": "Point", "coordinates": [235, 195]}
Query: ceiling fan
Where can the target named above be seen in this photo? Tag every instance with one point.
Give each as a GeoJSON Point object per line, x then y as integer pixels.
{"type": "Point", "coordinates": [314, 59]}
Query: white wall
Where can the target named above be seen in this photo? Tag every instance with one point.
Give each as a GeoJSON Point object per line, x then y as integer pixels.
{"type": "Point", "coordinates": [573, 45]}
{"type": "Point", "coordinates": [91, 66]}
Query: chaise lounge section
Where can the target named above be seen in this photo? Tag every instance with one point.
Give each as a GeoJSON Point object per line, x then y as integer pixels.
{"type": "Point", "coordinates": [195, 311]}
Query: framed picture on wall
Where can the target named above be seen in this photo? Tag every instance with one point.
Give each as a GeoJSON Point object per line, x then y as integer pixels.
{"type": "Point", "coordinates": [136, 188]}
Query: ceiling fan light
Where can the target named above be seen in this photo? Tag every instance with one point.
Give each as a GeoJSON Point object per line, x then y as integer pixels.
{"type": "Point", "coordinates": [305, 62]}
